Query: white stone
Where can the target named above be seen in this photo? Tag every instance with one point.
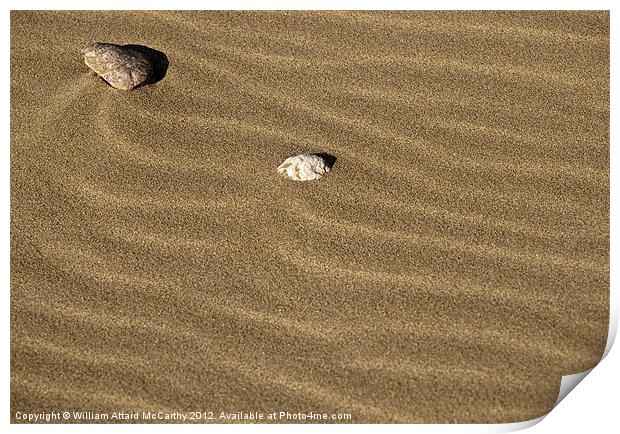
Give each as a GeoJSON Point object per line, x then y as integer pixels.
{"type": "Point", "coordinates": [304, 167]}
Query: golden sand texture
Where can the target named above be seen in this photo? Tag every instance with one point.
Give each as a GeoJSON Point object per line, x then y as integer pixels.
{"type": "Point", "coordinates": [452, 266]}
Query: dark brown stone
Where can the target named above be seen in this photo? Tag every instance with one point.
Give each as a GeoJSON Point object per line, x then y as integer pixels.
{"type": "Point", "coordinates": [125, 66]}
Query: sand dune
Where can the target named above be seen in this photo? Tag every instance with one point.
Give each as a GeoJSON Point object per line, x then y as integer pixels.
{"type": "Point", "coordinates": [452, 266]}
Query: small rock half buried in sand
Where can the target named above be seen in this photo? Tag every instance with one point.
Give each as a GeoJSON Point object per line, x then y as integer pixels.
{"type": "Point", "coordinates": [121, 66]}
{"type": "Point", "coordinates": [305, 167]}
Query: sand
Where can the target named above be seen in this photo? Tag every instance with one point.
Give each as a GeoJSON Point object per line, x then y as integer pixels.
{"type": "Point", "coordinates": [451, 268]}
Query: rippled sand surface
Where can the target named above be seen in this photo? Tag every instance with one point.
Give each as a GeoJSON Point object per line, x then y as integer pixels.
{"type": "Point", "coordinates": [451, 268]}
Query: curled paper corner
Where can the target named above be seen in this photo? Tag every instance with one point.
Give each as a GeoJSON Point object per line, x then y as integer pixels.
{"type": "Point", "coordinates": [568, 383]}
